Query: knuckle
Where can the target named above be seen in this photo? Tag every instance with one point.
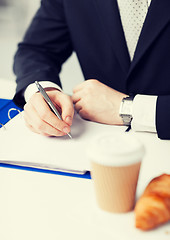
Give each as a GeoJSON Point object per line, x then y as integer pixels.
{"type": "Point", "coordinates": [85, 104]}
{"type": "Point", "coordinates": [84, 113]}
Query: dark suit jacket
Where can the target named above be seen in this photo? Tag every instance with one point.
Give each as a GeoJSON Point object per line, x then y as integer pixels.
{"type": "Point", "coordinates": [92, 28]}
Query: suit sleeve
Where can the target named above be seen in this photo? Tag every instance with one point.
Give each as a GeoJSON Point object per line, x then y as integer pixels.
{"type": "Point", "coordinates": [163, 117]}
{"type": "Point", "coordinates": [45, 47]}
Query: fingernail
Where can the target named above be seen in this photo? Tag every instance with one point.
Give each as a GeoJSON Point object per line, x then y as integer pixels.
{"type": "Point", "coordinates": [65, 130]}
{"type": "Point", "coordinates": [69, 120]}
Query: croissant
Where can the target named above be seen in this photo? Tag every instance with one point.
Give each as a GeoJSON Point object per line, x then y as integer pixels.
{"type": "Point", "coordinates": [153, 207]}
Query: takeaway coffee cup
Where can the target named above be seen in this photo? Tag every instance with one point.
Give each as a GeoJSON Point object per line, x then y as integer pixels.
{"type": "Point", "coordinates": [115, 164]}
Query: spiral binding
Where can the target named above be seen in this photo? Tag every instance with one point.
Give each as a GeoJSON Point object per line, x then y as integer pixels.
{"type": "Point", "coordinates": [9, 116]}
{"type": "Point", "coordinates": [12, 109]}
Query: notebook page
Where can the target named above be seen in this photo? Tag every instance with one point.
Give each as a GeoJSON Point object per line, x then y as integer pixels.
{"type": "Point", "coordinates": [19, 145]}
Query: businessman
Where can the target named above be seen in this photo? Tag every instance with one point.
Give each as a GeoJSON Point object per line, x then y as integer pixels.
{"type": "Point", "coordinates": [123, 47]}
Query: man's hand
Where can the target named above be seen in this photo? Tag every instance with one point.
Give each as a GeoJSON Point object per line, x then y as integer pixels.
{"type": "Point", "coordinates": [97, 102]}
{"type": "Point", "coordinates": [40, 119]}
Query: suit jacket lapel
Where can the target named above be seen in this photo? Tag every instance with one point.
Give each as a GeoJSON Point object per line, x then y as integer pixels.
{"type": "Point", "coordinates": [156, 19]}
{"type": "Point", "coordinates": [109, 13]}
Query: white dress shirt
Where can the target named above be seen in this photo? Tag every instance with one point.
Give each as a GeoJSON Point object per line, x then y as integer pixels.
{"type": "Point", "coordinates": [144, 106]}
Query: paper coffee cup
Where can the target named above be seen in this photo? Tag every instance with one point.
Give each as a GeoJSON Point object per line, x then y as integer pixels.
{"type": "Point", "coordinates": [115, 164]}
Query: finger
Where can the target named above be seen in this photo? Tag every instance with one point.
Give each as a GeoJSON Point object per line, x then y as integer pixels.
{"type": "Point", "coordinates": [43, 128]}
{"type": "Point", "coordinates": [30, 117]}
{"type": "Point", "coordinates": [78, 106]}
{"type": "Point", "coordinates": [45, 114]}
{"type": "Point", "coordinates": [39, 125]}
{"type": "Point", "coordinates": [42, 133]}
{"type": "Point", "coordinates": [76, 97]}
{"type": "Point", "coordinates": [67, 109]}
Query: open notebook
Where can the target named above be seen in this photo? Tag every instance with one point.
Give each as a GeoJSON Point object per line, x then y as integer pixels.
{"type": "Point", "coordinates": [20, 146]}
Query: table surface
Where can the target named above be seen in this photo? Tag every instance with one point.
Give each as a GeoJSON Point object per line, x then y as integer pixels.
{"type": "Point", "coordinates": [45, 206]}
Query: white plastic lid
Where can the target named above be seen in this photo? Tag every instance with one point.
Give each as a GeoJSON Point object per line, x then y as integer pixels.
{"type": "Point", "coordinates": [119, 149]}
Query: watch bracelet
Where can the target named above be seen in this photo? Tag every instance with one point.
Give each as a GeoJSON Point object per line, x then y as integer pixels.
{"type": "Point", "coordinates": [126, 118]}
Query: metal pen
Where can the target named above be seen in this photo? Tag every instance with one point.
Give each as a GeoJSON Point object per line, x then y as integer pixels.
{"type": "Point", "coordinates": [49, 102]}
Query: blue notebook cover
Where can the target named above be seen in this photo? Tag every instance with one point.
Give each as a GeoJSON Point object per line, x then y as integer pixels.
{"type": "Point", "coordinates": [5, 106]}
{"type": "Point", "coordinates": [3, 102]}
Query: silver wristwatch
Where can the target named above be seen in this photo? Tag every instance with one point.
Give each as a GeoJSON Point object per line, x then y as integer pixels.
{"type": "Point", "coordinates": [125, 111]}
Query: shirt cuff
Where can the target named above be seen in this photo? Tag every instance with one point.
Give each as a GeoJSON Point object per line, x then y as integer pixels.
{"type": "Point", "coordinates": [144, 113]}
{"type": "Point", "coordinates": [32, 88]}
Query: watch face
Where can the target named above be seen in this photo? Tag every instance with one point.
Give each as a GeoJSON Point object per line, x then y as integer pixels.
{"type": "Point", "coordinates": [126, 108]}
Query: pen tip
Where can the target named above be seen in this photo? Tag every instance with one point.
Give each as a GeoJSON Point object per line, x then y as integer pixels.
{"type": "Point", "coordinates": [69, 135]}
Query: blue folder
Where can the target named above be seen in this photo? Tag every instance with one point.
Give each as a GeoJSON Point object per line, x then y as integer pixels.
{"type": "Point", "coordinates": [5, 106]}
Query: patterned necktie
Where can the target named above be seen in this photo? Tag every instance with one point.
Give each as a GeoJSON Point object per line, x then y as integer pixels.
{"type": "Point", "coordinates": [133, 14]}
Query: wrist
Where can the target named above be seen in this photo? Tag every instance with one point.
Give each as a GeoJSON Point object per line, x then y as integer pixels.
{"type": "Point", "coordinates": [31, 89]}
